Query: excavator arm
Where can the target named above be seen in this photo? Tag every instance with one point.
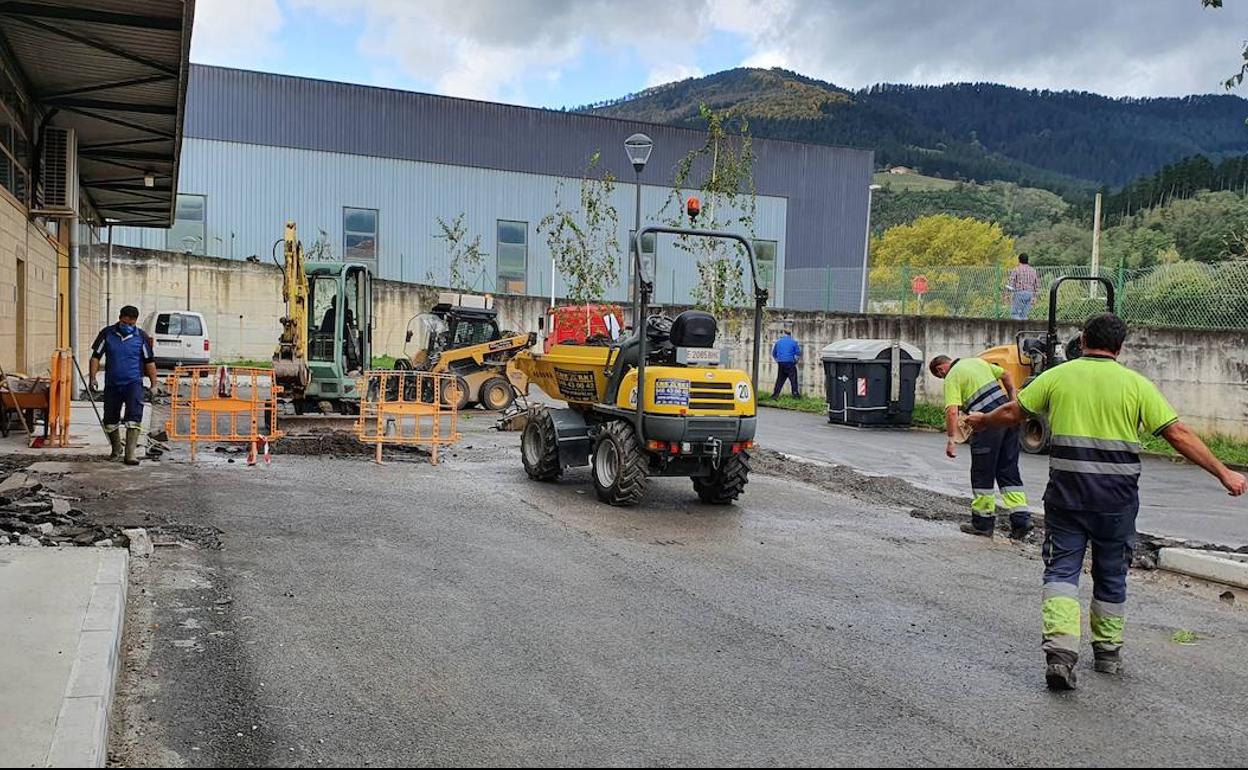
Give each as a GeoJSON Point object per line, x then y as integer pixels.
{"type": "Point", "coordinates": [290, 360]}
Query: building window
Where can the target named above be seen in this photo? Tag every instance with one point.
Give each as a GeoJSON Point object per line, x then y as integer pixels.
{"type": "Point", "coordinates": [765, 256]}
{"type": "Point", "coordinates": [13, 149]}
{"type": "Point", "coordinates": [188, 232]}
{"type": "Point", "coordinates": [647, 260]}
{"type": "Point", "coordinates": [513, 256]}
{"type": "Point", "coordinates": [359, 235]}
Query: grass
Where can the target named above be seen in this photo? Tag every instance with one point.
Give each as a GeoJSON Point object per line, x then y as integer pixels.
{"type": "Point", "coordinates": [1184, 637]}
{"type": "Point", "coordinates": [908, 182]}
{"type": "Point", "coordinates": [1228, 450]}
{"type": "Point", "coordinates": [807, 404]}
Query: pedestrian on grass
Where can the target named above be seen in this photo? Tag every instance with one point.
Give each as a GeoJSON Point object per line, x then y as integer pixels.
{"type": "Point", "coordinates": [787, 353]}
{"type": "Point", "coordinates": [1096, 408]}
{"type": "Point", "coordinates": [1022, 284]}
{"type": "Point", "coordinates": [973, 384]}
{"type": "Point", "coordinates": [127, 353]}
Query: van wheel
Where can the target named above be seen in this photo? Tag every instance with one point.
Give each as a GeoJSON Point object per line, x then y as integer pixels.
{"type": "Point", "coordinates": [539, 448]}
{"type": "Point", "coordinates": [727, 482]}
{"type": "Point", "coordinates": [619, 465]}
{"type": "Point", "coordinates": [497, 394]}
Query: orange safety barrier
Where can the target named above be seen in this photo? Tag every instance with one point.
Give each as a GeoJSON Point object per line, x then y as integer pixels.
{"type": "Point", "coordinates": [223, 405]}
{"type": "Point", "coordinates": [60, 391]}
{"type": "Point", "coordinates": [406, 407]}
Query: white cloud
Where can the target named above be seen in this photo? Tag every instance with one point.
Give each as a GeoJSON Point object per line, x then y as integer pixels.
{"type": "Point", "coordinates": [671, 73]}
{"type": "Point", "coordinates": [237, 33]}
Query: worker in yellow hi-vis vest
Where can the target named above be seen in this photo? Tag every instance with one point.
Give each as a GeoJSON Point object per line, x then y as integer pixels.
{"type": "Point", "coordinates": [1096, 408]}
{"type": "Point", "coordinates": [975, 385]}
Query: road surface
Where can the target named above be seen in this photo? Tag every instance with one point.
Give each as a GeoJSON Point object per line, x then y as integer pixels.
{"type": "Point", "coordinates": [1176, 500]}
{"type": "Point", "coordinates": [412, 615]}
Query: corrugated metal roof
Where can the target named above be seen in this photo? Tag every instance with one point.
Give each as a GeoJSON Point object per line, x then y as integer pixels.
{"type": "Point", "coordinates": [116, 72]}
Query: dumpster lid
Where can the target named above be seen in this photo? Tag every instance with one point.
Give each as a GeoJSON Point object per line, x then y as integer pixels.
{"type": "Point", "coordinates": [868, 350]}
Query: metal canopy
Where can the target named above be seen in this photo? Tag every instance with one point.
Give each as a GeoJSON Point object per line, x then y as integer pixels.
{"type": "Point", "coordinates": [115, 71]}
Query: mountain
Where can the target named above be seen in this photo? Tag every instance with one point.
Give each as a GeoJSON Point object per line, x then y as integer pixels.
{"type": "Point", "coordinates": [1065, 141]}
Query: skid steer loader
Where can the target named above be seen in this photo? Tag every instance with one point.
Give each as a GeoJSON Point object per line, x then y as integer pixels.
{"type": "Point", "coordinates": [661, 402]}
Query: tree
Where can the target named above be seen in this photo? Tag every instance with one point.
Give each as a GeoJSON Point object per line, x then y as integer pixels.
{"type": "Point", "coordinates": [584, 240]}
{"type": "Point", "coordinates": [464, 257]}
{"type": "Point", "coordinates": [1238, 77]}
{"type": "Point", "coordinates": [729, 202]}
{"type": "Point", "coordinates": [943, 240]}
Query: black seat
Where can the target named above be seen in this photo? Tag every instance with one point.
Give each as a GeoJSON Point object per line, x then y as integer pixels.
{"type": "Point", "coordinates": [694, 329]}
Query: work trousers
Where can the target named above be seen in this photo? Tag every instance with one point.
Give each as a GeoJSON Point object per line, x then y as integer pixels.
{"type": "Point", "coordinates": [117, 397]}
{"type": "Point", "coordinates": [994, 465]}
{"type": "Point", "coordinates": [1066, 538]}
{"type": "Point", "coordinates": [785, 371]}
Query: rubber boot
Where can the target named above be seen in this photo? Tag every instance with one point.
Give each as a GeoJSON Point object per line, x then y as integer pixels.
{"type": "Point", "coordinates": [132, 444]}
{"type": "Point", "coordinates": [116, 442]}
{"type": "Point", "coordinates": [1020, 525]}
{"type": "Point", "coordinates": [1107, 661]}
{"type": "Point", "coordinates": [982, 526]}
{"type": "Point", "coordinates": [1059, 671]}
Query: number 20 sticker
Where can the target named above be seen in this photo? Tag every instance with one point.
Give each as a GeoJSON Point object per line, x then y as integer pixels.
{"type": "Point", "coordinates": [743, 391]}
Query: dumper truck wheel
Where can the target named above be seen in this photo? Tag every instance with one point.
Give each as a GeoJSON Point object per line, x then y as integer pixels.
{"type": "Point", "coordinates": [727, 482]}
{"type": "Point", "coordinates": [539, 448]}
{"type": "Point", "coordinates": [497, 394]}
{"type": "Point", "coordinates": [1034, 436]}
{"type": "Point", "coordinates": [619, 466]}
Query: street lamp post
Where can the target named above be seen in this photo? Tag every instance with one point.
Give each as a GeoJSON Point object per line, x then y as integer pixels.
{"type": "Point", "coordinates": [866, 250]}
{"type": "Point", "coordinates": [638, 147]}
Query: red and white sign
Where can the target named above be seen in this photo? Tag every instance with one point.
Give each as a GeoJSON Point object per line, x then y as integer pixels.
{"type": "Point", "coordinates": [862, 386]}
{"type": "Point", "coordinates": [919, 285]}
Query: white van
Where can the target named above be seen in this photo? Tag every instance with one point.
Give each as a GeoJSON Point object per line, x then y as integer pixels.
{"type": "Point", "coordinates": [180, 338]}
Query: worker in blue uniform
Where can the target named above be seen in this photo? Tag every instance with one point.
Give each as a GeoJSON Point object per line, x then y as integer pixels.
{"type": "Point", "coordinates": [127, 353]}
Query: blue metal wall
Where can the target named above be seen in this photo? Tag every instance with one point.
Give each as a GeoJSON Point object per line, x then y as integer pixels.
{"type": "Point", "coordinates": [265, 147]}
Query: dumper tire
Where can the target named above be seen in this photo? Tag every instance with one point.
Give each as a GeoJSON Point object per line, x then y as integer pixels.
{"type": "Point", "coordinates": [727, 483]}
{"type": "Point", "coordinates": [1034, 435]}
{"type": "Point", "coordinates": [497, 394]}
{"type": "Point", "coordinates": [619, 465]}
{"type": "Point", "coordinates": [457, 394]}
{"type": "Point", "coordinates": [539, 448]}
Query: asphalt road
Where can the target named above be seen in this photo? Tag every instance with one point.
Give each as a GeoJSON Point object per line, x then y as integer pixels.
{"type": "Point", "coordinates": [1176, 500]}
{"type": "Point", "coordinates": [461, 614]}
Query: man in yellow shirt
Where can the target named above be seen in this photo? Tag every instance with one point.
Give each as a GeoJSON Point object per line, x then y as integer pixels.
{"type": "Point", "coordinates": [973, 384]}
{"type": "Point", "coordinates": [1096, 408]}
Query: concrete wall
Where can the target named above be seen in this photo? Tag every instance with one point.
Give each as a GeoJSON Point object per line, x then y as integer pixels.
{"type": "Point", "coordinates": [1203, 373]}
{"type": "Point", "coordinates": [23, 240]}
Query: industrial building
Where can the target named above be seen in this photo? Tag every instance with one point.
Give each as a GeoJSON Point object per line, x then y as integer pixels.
{"type": "Point", "coordinates": [369, 171]}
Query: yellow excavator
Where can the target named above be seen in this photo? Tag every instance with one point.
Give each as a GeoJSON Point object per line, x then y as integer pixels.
{"type": "Point", "coordinates": [461, 336]}
{"type": "Point", "coordinates": [661, 402]}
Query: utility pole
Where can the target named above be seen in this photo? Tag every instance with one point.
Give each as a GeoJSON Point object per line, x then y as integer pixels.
{"type": "Point", "coordinates": [1096, 247]}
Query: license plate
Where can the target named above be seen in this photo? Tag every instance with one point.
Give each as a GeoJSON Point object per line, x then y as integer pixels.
{"type": "Point", "coordinates": [701, 355]}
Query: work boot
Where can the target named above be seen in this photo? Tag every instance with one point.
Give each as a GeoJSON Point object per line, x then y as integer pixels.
{"type": "Point", "coordinates": [132, 444]}
{"type": "Point", "coordinates": [1020, 526]}
{"type": "Point", "coordinates": [1107, 662]}
{"type": "Point", "coordinates": [1059, 671]}
{"type": "Point", "coordinates": [982, 526]}
{"type": "Point", "coordinates": [115, 441]}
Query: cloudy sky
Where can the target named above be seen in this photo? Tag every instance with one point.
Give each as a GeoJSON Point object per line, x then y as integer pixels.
{"type": "Point", "coordinates": [569, 52]}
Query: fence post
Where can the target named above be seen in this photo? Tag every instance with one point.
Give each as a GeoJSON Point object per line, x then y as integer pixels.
{"type": "Point", "coordinates": [1120, 291]}
{"type": "Point", "coordinates": [905, 286]}
{"type": "Point", "coordinates": [998, 291]}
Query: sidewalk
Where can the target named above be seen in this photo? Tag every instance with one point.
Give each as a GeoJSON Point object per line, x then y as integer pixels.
{"type": "Point", "coordinates": [1176, 500]}
{"type": "Point", "coordinates": [86, 436]}
{"type": "Point", "coordinates": [63, 611]}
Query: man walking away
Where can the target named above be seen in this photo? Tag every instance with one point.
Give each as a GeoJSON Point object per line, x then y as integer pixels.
{"type": "Point", "coordinates": [1095, 407]}
{"type": "Point", "coordinates": [971, 384]}
{"type": "Point", "coordinates": [1023, 283]}
{"type": "Point", "coordinates": [127, 353]}
{"type": "Point", "coordinates": [787, 353]}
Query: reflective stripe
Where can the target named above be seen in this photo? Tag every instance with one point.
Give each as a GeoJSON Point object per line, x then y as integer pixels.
{"type": "Point", "coordinates": [977, 403]}
{"type": "Point", "coordinates": [1108, 609]}
{"type": "Point", "coordinates": [1054, 590]}
{"type": "Point", "coordinates": [1088, 466]}
{"type": "Point", "coordinates": [1008, 490]}
{"type": "Point", "coordinates": [983, 390]}
{"type": "Point", "coordinates": [1062, 642]}
{"type": "Point", "coordinates": [1096, 443]}
{"type": "Point", "coordinates": [111, 428]}
{"type": "Point", "coordinates": [982, 492]}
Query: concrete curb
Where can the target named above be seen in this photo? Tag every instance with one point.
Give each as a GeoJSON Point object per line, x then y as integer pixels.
{"type": "Point", "coordinates": [80, 738]}
{"type": "Point", "coordinates": [1228, 568]}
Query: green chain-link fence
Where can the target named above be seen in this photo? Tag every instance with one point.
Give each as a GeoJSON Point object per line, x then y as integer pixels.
{"type": "Point", "coordinates": [1188, 294]}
